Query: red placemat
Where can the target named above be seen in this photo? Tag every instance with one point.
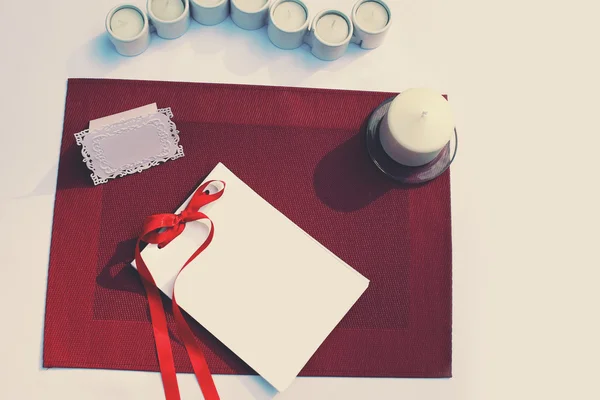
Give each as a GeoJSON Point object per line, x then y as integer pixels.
{"type": "Point", "coordinates": [303, 151]}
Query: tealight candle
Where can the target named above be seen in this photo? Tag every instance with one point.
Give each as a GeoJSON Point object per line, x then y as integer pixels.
{"type": "Point", "coordinates": [288, 23]}
{"type": "Point", "coordinates": [330, 34]}
{"type": "Point", "coordinates": [167, 10]}
{"type": "Point", "coordinates": [210, 12]}
{"type": "Point", "coordinates": [127, 23]}
{"type": "Point", "coordinates": [127, 28]}
{"type": "Point", "coordinates": [332, 28]}
{"type": "Point", "coordinates": [250, 14]}
{"type": "Point", "coordinates": [371, 20]}
{"type": "Point", "coordinates": [372, 16]}
{"type": "Point", "coordinates": [418, 124]}
{"type": "Point", "coordinates": [290, 15]}
{"type": "Point", "coordinates": [171, 18]}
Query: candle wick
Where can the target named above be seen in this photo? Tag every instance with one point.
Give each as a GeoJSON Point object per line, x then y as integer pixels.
{"type": "Point", "coordinates": [424, 114]}
{"type": "Point", "coordinates": [333, 23]}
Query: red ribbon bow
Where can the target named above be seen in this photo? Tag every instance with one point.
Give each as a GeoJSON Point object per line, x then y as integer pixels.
{"type": "Point", "coordinates": [162, 229]}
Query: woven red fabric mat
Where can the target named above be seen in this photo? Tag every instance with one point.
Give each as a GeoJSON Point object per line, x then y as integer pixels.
{"type": "Point", "coordinates": [303, 151]}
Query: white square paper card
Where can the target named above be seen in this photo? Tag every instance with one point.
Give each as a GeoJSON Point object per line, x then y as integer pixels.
{"type": "Point", "coordinates": [263, 287]}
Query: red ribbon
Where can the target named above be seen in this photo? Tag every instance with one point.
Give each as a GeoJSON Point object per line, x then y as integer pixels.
{"type": "Point", "coordinates": [161, 229]}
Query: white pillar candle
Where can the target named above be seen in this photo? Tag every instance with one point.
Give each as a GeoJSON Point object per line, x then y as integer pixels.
{"type": "Point", "coordinates": [209, 12]}
{"type": "Point", "coordinates": [331, 32]}
{"type": "Point", "coordinates": [167, 10]}
{"type": "Point", "coordinates": [171, 18]}
{"type": "Point", "coordinates": [127, 23]}
{"type": "Point", "coordinates": [250, 14]}
{"type": "Point", "coordinates": [128, 29]}
{"type": "Point", "coordinates": [418, 124]}
{"type": "Point", "coordinates": [288, 24]}
{"type": "Point", "coordinates": [371, 20]}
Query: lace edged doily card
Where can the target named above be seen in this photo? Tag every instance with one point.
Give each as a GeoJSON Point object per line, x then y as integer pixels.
{"type": "Point", "coordinates": [130, 145]}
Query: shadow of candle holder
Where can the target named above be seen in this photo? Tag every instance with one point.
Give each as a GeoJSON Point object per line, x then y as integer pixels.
{"type": "Point", "coordinates": [346, 179]}
{"type": "Point", "coordinates": [246, 52]}
{"type": "Point", "coordinates": [100, 51]}
{"type": "Point", "coordinates": [294, 66]}
{"type": "Point", "coordinates": [103, 51]}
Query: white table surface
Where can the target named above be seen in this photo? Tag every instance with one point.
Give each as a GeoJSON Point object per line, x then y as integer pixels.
{"type": "Point", "coordinates": [523, 80]}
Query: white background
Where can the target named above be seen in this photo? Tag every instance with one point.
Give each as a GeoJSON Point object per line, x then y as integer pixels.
{"type": "Point", "coordinates": [523, 80]}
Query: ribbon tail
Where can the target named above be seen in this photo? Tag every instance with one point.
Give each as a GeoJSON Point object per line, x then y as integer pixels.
{"type": "Point", "coordinates": [160, 328]}
{"type": "Point", "coordinates": [203, 375]}
{"type": "Point", "coordinates": [152, 233]}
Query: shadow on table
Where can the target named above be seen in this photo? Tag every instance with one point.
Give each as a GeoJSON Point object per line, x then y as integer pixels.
{"type": "Point", "coordinates": [77, 175]}
{"type": "Point", "coordinates": [346, 179]}
{"type": "Point", "coordinates": [246, 52]}
{"type": "Point", "coordinates": [260, 388]}
{"type": "Point", "coordinates": [100, 51]}
{"type": "Point", "coordinates": [118, 275]}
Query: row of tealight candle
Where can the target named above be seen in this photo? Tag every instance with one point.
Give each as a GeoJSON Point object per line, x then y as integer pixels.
{"type": "Point", "coordinates": [328, 34]}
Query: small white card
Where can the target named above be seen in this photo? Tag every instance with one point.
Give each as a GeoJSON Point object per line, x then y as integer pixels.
{"type": "Point", "coordinates": [122, 116]}
{"type": "Point", "coordinates": [263, 287]}
{"type": "Point", "coordinates": [129, 142]}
